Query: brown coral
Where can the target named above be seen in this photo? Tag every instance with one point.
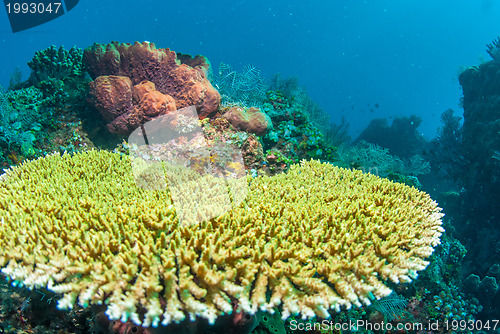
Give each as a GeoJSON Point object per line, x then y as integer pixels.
{"type": "Point", "coordinates": [251, 120]}
{"type": "Point", "coordinates": [112, 96]}
{"type": "Point", "coordinates": [142, 61]}
{"type": "Point", "coordinates": [125, 107]}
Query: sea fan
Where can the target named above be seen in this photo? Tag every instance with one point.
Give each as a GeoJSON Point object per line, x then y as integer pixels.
{"type": "Point", "coordinates": [391, 306]}
{"type": "Point", "coordinates": [245, 88]}
{"type": "Point", "coordinates": [338, 134]}
{"type": "Point", "coordinates": [317, 116]}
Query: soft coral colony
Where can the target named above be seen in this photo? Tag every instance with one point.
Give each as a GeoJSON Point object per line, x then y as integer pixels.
{"type": "Point", "coordinates": [314, 239]}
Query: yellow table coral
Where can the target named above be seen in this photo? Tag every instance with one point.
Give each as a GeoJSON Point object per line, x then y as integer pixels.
{"type": "Point", "coordinates": [316, 238]}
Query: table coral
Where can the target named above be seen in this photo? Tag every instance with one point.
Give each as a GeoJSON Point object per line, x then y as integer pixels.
{"type": "Point", "coordinates": [171, 76]}
{"type": "Point", "coordinates": [307, 241]}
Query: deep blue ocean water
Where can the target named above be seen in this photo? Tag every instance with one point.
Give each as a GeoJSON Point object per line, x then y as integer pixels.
{"type": "Point", "coordinates": [403, 56]}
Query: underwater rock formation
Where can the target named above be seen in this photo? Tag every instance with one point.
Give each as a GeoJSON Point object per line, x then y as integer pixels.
{"type": "Point", "coordinates": [143, 62]}
{"type": "Point", "coordinates": [481, 139]}
{"type": "Point", "coordinates": [307, 241]}
{"type": "Point", "coordinates": [486, 289]}
{"type": "Point", "coordinates": [401, 137]}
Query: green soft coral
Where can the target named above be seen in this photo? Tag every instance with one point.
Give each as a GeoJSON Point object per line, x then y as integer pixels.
{"type": "Point", "coordinates": [60, 75]}
{"type": "Point", "coordinates": [56, 63]}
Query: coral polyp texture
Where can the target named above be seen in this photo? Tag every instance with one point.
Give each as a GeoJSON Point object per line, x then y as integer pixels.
{"type": "Point", "coordinates": [180, 78]}
{"type": "Point", "coordinates": [313, 239]}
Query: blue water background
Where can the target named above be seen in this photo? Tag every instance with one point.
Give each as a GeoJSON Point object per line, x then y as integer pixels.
{"type": "Point", "coordinates": [350, 55]}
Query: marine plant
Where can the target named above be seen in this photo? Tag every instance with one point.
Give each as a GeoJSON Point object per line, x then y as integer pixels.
{"type": "Point", "coordinates": [315, 239]}
{"type": "Point", "coordinates": [287, 86]}
{"type": "Point", "coordinates": [447, 156]}
{"type": "Point", "coordinates": [21, 115]}
{"type": "Point", "coordinates": [337, 135]}
{"type": "Point", "coordinates": [493, 49]}
{"type": "Point", "coordinates": [391, 307]}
